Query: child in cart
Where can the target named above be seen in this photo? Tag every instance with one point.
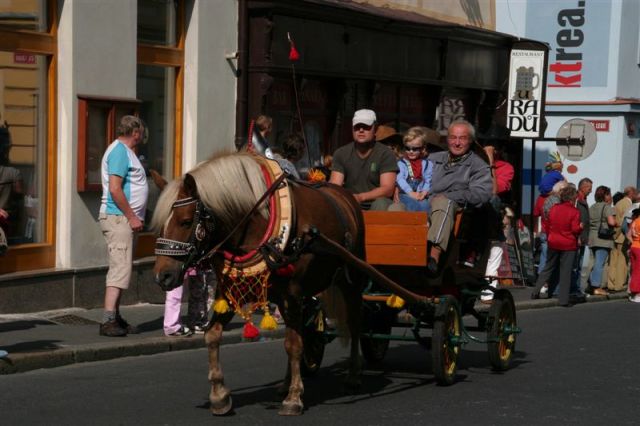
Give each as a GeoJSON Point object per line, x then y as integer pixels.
{"type": "Point", "coordinates": [415, 169]}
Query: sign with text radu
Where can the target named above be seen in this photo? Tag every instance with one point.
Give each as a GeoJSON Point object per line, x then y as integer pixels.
{"type": "Point", "coordinates": [526, 71]}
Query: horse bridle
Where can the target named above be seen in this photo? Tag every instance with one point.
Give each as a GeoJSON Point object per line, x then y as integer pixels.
{"type": "Point", "coordinates": [191, 249]}
{"type": "Point", "coordinates": [204, 225]}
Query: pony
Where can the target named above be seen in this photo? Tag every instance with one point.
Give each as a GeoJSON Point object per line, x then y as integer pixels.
{"type": "Point", "coordinates": [221, 211]}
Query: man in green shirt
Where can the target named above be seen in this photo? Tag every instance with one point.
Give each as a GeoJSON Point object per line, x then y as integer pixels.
{"type": "Point", "coordinates": [364, 167]}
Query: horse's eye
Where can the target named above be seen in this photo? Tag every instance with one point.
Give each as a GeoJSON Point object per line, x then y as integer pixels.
{"type": "Point", "coordinates": [186, 224]}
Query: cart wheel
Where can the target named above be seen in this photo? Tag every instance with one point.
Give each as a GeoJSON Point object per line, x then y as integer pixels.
{"type": "Point", "coordinates": [445, 342]}
{"type": "Point", "coordinates": [313, 341]}
{"type": "Point", "coordinates": [501, 327]}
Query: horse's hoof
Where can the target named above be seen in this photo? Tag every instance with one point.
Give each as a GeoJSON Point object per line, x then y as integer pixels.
{"type": "Point", "coordinates": [291, 409]}
{"type": "Point", "coordinates": [222, 407]}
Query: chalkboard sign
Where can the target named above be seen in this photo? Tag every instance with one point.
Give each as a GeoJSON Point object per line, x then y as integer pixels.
{"type": "Point", "coordinates": [524, 244]}
{"type": "Point", "coordinates": [514, 262]}
{"type": "Point", "coordinates": [509, 270]}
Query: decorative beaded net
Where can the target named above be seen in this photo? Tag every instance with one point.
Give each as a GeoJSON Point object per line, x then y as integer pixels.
{"type": "Point", "coordinates": [246, 292]}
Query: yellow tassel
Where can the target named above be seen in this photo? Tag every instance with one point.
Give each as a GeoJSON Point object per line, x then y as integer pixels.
{"type": "Point", "coordinates": [268, 322]}
{"type": "Point", "coordinates": [394, 301]}
{"type": "Point", "coordinates": [220, 306]}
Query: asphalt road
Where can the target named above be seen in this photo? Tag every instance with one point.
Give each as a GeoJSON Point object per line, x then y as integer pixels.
{"type": "Point", "coordinates": [572, 366]}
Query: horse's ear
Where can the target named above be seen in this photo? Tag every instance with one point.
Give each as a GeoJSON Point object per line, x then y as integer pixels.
{"type": "Point", "coordinates": [190, 185]}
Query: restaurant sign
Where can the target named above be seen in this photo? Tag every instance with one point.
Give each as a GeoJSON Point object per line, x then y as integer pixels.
{"type": "Point", "coordinates": [526, 71]}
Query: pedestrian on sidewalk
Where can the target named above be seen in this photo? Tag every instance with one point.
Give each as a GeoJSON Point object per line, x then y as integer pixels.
{"type": "Point", "coordinates": [551, 200]}
{"type": "Point", "coordinates": [563, 229]}
{"type": "Point", "coordinates": [122, 211]}
{"type": "Point", "coordinates": [601, 216]}
{"type": "Point", "coordinates": [584, 189]}
{"type": "Point", "coordinates": [502, 176]}
{"type": "Point", "coordinates": [634, 235]}
{"type": "Point", "coordinates": [618, 261]}
{"type": "Point", "coordinates": [196, 283]}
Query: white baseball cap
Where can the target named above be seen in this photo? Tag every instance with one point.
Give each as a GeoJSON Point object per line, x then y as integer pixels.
{"type": "Point", "coordinates": [364, 116]}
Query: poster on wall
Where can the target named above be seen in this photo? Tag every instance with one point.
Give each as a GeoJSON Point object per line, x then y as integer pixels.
{"type": "Point", "coordinates": [526, 72]}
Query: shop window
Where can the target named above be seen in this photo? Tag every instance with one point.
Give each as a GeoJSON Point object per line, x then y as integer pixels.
{"type": "Point", "coordinates": [156, 92]}
{"type": "Point", "coordinates": [27, 132]}
{"type": "Point", "coordinates": [23, 15]}
{"type": "Point", "coordinates": [157, 22]}
{"type": "Point", "coordinates": [98, 119]}
{"type": "Point", "coordinates": [160, 80]}
{"type": "Point", "coordinates": [23, 161]}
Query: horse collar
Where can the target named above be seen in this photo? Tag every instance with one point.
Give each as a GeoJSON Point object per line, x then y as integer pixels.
{"type": "Point", "coordinates": [275, 227]}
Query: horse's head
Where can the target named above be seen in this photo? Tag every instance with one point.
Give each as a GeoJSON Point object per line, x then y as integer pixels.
{"type": "Point", "coordinates": [186, 226]}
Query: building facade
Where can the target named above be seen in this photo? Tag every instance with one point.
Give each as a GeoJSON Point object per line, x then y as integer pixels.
{"type": "Point", "coordinates": [593, 74]}
{"type": "Point", "coordinates": [197, 71]}
{"type": "Point", "coordinates": [68, 70]}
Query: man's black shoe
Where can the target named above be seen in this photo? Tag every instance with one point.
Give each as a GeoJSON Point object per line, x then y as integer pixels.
{"type": "Point", "coordinates": [130, 329]}
{"type": "Point", "coordinates": [112, 329]}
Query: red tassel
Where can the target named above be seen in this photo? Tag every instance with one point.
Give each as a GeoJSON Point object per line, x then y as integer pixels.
{"type": "Point", "coordinates": [250, 331]}
{"type": "Point", "coordinates": [293, 53]}
{"type": "Point", "coordinates": [286, 271]}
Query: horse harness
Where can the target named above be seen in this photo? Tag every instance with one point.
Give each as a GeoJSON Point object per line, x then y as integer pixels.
{"type": "Point", "coordinates": [277, 250]}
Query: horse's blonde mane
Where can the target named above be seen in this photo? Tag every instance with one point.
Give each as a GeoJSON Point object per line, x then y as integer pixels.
{"type": "Point", "coordinates": [230, 184]}
{"type": "Point", "coordinates": [162, 212]}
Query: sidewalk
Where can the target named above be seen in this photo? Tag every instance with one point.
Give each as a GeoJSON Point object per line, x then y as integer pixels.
{"type": "Point", "coordinates": [57, 338]}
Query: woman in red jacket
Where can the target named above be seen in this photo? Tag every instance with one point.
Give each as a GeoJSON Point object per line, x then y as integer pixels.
{"type": "Point", "coordinates": [564, 227]}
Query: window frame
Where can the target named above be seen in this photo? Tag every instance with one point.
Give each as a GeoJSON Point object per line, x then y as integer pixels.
{"type": "Point", "coordinates": [25, 257]}
{"type": "Point", "coordinates": [167, 56]}
{"type": "Point", "coordinates": [84, 104]}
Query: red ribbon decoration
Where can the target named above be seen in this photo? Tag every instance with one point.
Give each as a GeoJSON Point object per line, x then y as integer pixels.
{"type": "Point", "coordinates": [293, 53]}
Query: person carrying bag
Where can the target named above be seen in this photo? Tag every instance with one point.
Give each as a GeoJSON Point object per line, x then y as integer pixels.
{"type": "Point", "coordinates": [605, 233]}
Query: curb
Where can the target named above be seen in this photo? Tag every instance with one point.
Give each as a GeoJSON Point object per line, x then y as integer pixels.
{"type": "Point", "coordinates": [23, 362]}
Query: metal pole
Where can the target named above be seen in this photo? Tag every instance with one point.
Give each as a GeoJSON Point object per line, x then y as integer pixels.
{"type": "Point", "coordinates": [533, 183]}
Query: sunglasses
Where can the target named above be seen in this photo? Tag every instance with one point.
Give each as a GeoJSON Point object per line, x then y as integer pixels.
{"type": "Point", "coordinates": [413, 148]}
{"type": "Point", "coordinates": [362, 126]}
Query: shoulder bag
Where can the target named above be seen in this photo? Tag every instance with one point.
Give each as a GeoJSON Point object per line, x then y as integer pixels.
{"type": "Point", "coordinates": [605, 233]}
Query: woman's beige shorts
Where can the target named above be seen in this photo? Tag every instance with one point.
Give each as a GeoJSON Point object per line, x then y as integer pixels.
{"type": "Point", "coordinates": [120, 239]}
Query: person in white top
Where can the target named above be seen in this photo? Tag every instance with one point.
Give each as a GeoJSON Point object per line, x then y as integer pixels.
{"type": "Point", "coordinates": [124, 201]}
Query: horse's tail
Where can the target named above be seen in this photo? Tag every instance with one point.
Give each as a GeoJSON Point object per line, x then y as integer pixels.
{"type": "Point", "coordinates": [335, 306]}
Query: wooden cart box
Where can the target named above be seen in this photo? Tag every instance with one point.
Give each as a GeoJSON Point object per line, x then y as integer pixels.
{"type": "Point", "coordinates": [396, 238]}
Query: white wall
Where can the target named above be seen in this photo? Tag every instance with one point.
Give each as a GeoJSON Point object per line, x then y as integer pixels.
{"type": "Point", "coordinates": [97, 56]}
{"type": "Point", "coordinates": [629, 70]}
{"type": "Point", "coordinates": [615, 160]}
{"type": "Point", "coordinates": [210, 84]}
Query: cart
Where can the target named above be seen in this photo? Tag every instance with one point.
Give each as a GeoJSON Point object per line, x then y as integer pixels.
{"type": "Point", "coordinates": [396, 253]}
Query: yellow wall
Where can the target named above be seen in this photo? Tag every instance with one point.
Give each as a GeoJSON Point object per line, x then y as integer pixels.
{"type": "Point", "coordinates": [19, 83]}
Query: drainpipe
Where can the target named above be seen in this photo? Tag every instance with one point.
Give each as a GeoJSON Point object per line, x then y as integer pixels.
{"type": "Point", "coordinates": [242, 103]}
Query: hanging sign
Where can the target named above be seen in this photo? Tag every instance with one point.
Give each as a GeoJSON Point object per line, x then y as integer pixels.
{"type": "Point", "coordinates": [526, 71]}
